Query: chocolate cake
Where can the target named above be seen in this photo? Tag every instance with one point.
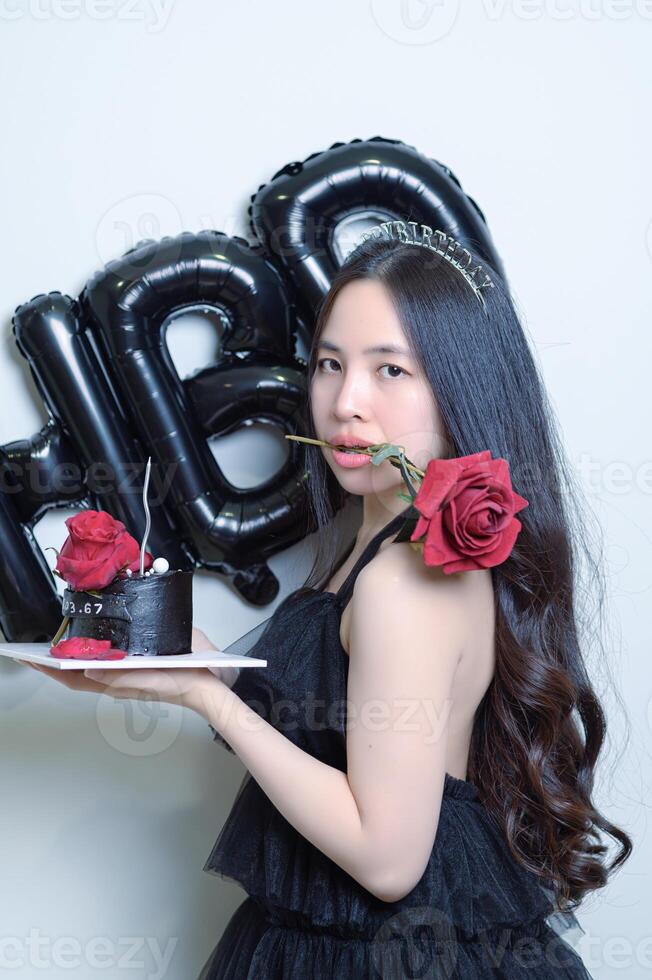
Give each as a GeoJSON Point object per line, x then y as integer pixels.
{"type": "Point", "coordinates": [148, 615]}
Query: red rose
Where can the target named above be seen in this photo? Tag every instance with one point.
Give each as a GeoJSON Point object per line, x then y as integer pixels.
{"type": "Point", "coordinates": [97, 549]}
{"type": "Point", "coordinates": [467, 509]}
{"type": "Point", "coordinates": [86, 648]}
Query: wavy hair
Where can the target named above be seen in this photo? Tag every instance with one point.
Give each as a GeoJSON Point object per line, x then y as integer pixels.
{"type": "Point", "coordinates": [540, 726]}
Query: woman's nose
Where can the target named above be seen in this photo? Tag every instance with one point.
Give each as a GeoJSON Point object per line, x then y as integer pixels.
{"type": "Point", "coordinates": [351, 397]}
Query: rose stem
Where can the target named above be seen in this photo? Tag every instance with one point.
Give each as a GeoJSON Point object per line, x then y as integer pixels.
{"type": "Point", "coordinates": [60, 631]}
{"type": "Point", "coordinates": [362, 450]}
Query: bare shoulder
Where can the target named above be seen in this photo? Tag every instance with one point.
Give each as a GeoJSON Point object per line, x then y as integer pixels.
{"type": "Point", "coordinates": [425, 594]}
{"type": "Point", "coordinates": [399, 569]}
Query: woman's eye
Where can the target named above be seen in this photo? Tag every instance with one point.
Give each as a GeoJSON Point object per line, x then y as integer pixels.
{"type": "Point", "coordinates": [394, 367]}
{"type": "Point", "coordinates": [323, 360]}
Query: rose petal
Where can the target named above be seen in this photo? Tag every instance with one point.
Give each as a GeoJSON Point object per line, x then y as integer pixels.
{"type": "Point", "coordinates": [86, 648]}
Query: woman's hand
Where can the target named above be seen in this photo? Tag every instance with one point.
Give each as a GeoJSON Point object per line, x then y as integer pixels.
{"type": "Point", "coordinates": [187, 686]}
{"type": "Point", "coordinates": [201, 642]}
{"type": "Point", "coordinates": [76, 680]}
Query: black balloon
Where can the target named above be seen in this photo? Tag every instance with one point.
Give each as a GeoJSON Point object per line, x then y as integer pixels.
{"type": "Point", "coordinates": [114, 397]}
{"type": "Point", "coordinates": [51, 334]}
{"type": "Point", "coordinates": [29, 604]}
{"type": "Point", "coordinates": [230, 530]}
{"type": "Point", "coordinates": [296, 213]}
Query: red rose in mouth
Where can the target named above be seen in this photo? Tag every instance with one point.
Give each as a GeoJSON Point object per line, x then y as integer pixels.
{"type": "Point", "coordinates": [467, 507]}
{"type": "Point", "coordinates": [97, 550]}
{"type": "Point", "coordinates": [86, 648]}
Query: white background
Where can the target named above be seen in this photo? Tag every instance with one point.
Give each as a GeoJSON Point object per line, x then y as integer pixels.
{"type": "Point", "coordinates": [124, 121]}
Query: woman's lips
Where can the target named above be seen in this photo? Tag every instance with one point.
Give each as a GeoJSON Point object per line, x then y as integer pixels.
{"type": "Point", "coordinates": [351, 460]}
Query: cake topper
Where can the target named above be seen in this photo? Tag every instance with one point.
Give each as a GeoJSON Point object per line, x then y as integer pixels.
{"type": "Point", "coordinates": [148, 519]}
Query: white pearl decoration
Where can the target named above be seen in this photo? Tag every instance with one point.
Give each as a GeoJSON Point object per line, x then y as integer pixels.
{"type": "Point", "coordinates": [160, 565]}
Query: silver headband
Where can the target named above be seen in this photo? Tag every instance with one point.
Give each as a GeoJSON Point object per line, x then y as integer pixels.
{"type": "Point", "coordinates": [444, 245]}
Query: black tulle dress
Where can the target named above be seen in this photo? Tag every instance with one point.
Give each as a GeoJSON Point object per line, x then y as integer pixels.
{"type": "Point", "coordinates": [475, 913]}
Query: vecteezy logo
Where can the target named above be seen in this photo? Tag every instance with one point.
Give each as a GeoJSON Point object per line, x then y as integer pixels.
{"type": "Point", "coordinates": [417, 942]}
{"type": "Point", "coordinates": [415, 21]}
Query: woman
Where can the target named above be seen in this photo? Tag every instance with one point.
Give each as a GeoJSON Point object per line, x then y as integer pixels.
{"type": "Point", "coordinates": [421, 747]}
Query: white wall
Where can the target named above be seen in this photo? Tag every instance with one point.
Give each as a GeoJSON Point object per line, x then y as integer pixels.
{"type": "Point", "coordinates": [181, 111]}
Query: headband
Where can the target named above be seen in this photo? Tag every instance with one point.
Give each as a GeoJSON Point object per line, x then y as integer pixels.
{"type": "Point", "coordinates": [444, 245]}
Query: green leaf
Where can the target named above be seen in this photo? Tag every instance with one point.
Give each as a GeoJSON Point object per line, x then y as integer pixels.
{"type": "Point", "coordinates": [382, 454]}
{"type": "Point", "coordinates": [405, 496]}
{"type": "Point", "coordinates": [408, 479]}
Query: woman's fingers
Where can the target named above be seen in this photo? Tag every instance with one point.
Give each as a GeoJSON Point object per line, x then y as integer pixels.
{"type": "Point", "coordinates": [200, 641]}
{"type": "Point", "coordinates": [75, 680]}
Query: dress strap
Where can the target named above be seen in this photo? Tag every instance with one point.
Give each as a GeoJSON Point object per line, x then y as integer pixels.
{"type": "Point", "coordinates": [397, 523]}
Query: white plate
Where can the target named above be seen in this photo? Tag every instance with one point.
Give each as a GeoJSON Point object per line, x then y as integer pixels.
{"type": "Point", "coordinates": [39, 653]}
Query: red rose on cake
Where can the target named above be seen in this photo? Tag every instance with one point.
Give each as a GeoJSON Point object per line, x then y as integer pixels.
{"type": "Point", "coordinates": [98, 549]}
{"type": "Point", "coordinates": [120, 601]}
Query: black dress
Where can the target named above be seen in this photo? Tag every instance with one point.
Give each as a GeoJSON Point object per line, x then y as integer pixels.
{"type": "Point", "coordinates": [475, 913]}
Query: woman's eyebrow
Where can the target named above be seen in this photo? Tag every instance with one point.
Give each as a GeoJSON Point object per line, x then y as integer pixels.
{"type": "Point", "coordinates": [379, 349]}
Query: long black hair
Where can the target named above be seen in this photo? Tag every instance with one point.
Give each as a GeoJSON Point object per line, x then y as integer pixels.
{"type": "Point", "coordinates": [540, 727]}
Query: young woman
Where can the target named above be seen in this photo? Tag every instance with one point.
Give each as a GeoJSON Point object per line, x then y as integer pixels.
{"type": "Point", "coordinates": [398, 853]}
{"type": "Point", "coordinates": [421, 747]}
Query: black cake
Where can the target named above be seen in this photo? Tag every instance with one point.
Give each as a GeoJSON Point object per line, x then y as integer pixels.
{"type": "Point", "coordinates": [150, 615]}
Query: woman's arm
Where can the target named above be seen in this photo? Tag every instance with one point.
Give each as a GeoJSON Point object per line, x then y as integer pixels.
{"type": "Point", "coordinates": [379, 821]}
